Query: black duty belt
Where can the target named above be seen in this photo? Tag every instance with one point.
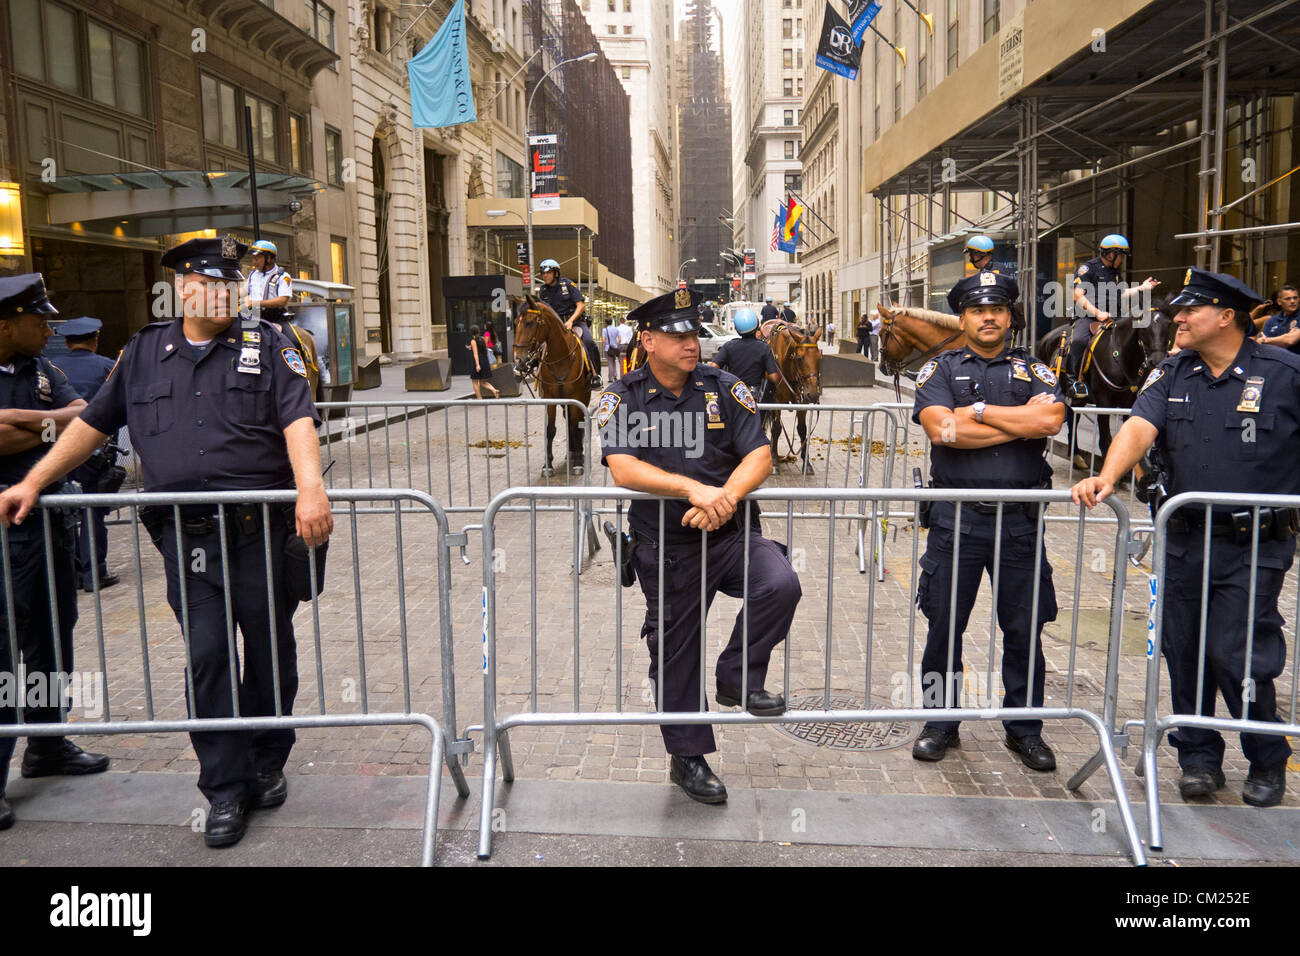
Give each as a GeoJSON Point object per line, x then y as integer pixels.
{"type": "Point", "coordinates": [1275, 523]}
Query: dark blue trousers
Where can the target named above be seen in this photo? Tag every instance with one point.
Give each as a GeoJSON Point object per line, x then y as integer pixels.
{"type": "Point", "coordinates": [88, 479]}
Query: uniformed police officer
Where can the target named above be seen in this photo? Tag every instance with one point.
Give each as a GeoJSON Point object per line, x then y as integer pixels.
{"type": "Point", "coordinates": [216, 405]}
{"type": "Point", "coordinates": [1099, 292]}
{"type": "Point", "coordinates": [35, 399]}
{"type": "Point", "coordinates": [979, 250]}
{"type": "Point", "coordinates": [747, 358]}
{"type": "Point", "coordinates": [267, 287]}
{"type": "Point", "coordinates": [1225, 412]}
{"type": "Point", "coordinates": [988, 410]}
{"type": "Point", "coordinates": [690, 432]}
{"type": "Point", "coordinates": [706, 313]}
{"type": "Point", "coordinates": [566, 301]}
{"type": "Point", "coordinates": [769, 311]}
{"type": "Point", "coordinates": [1283, 327]}
{"type": "Point", "coordinates": [87, 370]}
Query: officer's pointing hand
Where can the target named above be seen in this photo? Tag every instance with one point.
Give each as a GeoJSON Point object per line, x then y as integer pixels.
{"type": "Point", "coordinates": [1091, 491]}
{"type": "Point", "coordinates": [315, 523]}
{"type": "Point", "coordinates": [1149, 283]}
{"type": "Point", "coordinates": [16, 503]}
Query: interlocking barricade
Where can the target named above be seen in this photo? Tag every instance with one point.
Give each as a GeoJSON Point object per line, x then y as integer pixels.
{"type": "Point", "coordinates": [1224, 620]}
{"type": "Point", "coordinates": [371, 662]}
{"type": "Point", "coordinates": [825, 651]}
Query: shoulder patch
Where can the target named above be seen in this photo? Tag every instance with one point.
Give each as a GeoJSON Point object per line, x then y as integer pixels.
{"type": "Point", "coordinates": [294, 360]}
{"type": "Point", "coordinates": [741, 393]}
{"type": "Point", "coordinates": [1043, 373]}
{"type": "Point", "coordinates": [1082, 270]}
{"type": "Point", "coordinates": [1155, 376]}
{"type": "Point", "coordinates": [608, 402]}
{"type": "Point", "coordinates": [926, 371]}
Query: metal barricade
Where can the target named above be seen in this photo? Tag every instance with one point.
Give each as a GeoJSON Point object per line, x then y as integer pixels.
{"type": "Point", "coordinates": [387, 703]}
{"type": "Point", "coordinates": [1198, 507]}
{"type": "Point", "coordinates": [820, 630]}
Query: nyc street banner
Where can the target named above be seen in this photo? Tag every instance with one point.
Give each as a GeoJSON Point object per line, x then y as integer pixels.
{"type": "Point", "coordinates": [441, 94]}
{"type": "Point", "coordinates": [838, 52]}
{"type": "Point", "coordinates": [544, 159]}
{"type": "Point", "coordinates": [861, 13]}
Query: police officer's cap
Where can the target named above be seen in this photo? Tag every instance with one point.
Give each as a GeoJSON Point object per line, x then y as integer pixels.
{"type": "Point", "coordinates": [1214, 288]}
{"type": "Point", "coordinates": [24, 295]}
{"type": "Point", "coordinates": [75, 328]}
{"type": "Point", "coordinates": [670, 312]}
{"type": "Point", "coordinates": [983, 288]}
{"type": "Point", "coordinates": [218, 257]}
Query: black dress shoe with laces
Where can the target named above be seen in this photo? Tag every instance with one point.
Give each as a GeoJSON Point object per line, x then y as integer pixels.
{"type": "Point", "coordinates": [1265, 787]}
{"type": "Point", "coordinates": [6, 814]}
{"type": "Point", "coordinates": [105, 581]}
{"type": "Point", "coordinates": [694, 776]}
{"type": "Point", "coordinates": [1034, 753]}
{"type": "Point", "coordinates": [67, 759]}
{"type": "Point", "coordinates": [761, 703]}
{"type": "Point", "coordinates": [934, 743]}
{"type": "Point", "coordinates": [270, 791]}
{"type": "Point", "coordinates": [227, 821]}
{"type": "Point", "coordinates": [1200, 782]}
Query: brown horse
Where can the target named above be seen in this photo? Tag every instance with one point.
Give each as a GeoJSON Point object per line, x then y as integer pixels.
{"type": "Point", "coordinates": [799, 362]}
{"type": "Point", "coordinates": [910, 337]}
{"type": "Point", "coordinates": [544, 348]}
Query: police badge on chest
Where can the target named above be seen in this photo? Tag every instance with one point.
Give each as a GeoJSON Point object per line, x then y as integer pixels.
{"type": "Point", "coordinates": [44, 388]}
{"type": "Point", "coordinates": [250, 360]}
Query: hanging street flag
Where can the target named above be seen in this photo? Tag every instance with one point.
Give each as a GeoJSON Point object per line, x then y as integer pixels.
{"type": "Point", "coordinates": [544, 175]}
{"type": "Point", "coordinates": [861, 13]}
{"type": "Point", "coordinates": [838, 52]}
{"type": "Point", "coordinates": [793, 220]}
{"type": "Point", "coordinates": [778, 228]}
{"type": "Point", "coordinates": [441, 94]}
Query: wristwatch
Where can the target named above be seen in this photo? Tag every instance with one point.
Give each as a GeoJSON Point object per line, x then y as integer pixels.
{"type": "Point", "coordinates": [978, 408]}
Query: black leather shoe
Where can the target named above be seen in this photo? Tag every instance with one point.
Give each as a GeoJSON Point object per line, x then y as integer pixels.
{"type": "Point", "coordinates": [1034, 754]}
{"type": "Point", "coordinates": [1265, 788]}
{"type": "Point", "coordinates": [934, 743]}
{"type": "Point", "coordinates": [227, 821]}
{"type": "Point", "coordinates": [6, 814]}
{"type": "Point", "coordinates": [270, 792]}
{"type": "Point", "coordinates": [105, 581]}
{"type": "Point", "coordinates": [1200, 782]}
{"type": "Point", "coordinates": [761, 703]}
{"type": "Point", "coordinates": [693, 775]}
{"type": "Point", "coordinates": [67, 759]}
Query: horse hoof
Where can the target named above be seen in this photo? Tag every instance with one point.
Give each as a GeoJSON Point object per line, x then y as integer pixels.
{"type": "Point", "coordinates": [576, 470]}
{"type": "Point", "coordinates": [547, 471]}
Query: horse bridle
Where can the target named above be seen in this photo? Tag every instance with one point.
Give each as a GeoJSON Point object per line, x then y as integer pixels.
{"type": "Point", "coordinates": [887, 367]}
{"type": "Point", "coordinates": [527, 364]}
{"type": "Point", "coordinates": [800, 377]}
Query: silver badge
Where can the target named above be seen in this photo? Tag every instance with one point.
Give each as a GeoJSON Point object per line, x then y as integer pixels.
{"type": "Point", "coordinates": [250, 359]}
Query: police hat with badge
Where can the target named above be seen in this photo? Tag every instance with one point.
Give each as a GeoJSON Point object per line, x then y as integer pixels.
{"type": "Point", "coordinates": [671, 312]}
{"type": "Point", "coordinates": [1201, 287]}
{"type": "Point", "coordinates": [24, 295]}
{"type": "Point", "coordinates": [218, 257]}
{"type": "Point", "coordinates": [983, 288]}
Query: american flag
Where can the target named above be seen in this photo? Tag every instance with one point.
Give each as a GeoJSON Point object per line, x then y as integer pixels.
{"type": "Point", "coordinates": [776, 230]}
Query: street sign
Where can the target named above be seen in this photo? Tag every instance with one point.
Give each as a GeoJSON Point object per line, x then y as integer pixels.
{"type": "Point", "coordinates": [750, 271]}
{"type": "Point", "coordinates": [544, 162]}
{"type": "Point", "coordinates": [527, 275]}
{"type": "Point", "coordinates": [681, 283]}
{"type": "Point", "coordinates": [521, 252]}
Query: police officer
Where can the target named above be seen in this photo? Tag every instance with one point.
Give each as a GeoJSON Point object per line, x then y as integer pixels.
{"type": "Point", "coordinates": [87, 370]}
{"type": "Point", "coordinates": [769, 311]}
{"type": "Point", "coordinates": [747, 358]}
{"type": "Point", "coordinates": [989, 410]}
{"type": "Point", "coordinates": [217, 405]}
{"type": "Point", "coordinates": [979, 250]}
{"type": "Point", "coordinates": [787, 313]}
{"type": "Point", "coordinates": [35, 397]}
{"type": "Point", "coordinates": [1283, 327]}
{"type": "Point", "coordinates": [266, 290]}
{"type": "Point", "coordinates": [566, 301]}
{"type": "Point", "coordinates": [1098, 289]}
{"type": "Point", "coordinates": [1225, 414]}
{"type": "Point", "coordinates": [719, 456]}
{"type": "Point", "coordinates": [706, 313]}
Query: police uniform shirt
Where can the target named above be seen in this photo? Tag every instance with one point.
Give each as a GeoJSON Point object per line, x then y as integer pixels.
{"type": "Point", "coordinates": [1100, 284]}
{"type": "Point", "coordinates": [267, 285]}
{"type": "Point", "coordinates": [636, 411]}
{"type": "Point", "coordinates": [86, 370]}
{"type": "Point", "coordinates": [33, 384]}
{"type": "Point", "coordinates": [563, 298]}
{"type": "Point", "coordinates": [197, 422]}
{"type": "Point", "coordinates": [706, 314]}
{"type": "Point", "coordinates": [748, 359]}
{"type": "Point", "coordinates": [958, 378]}
{"type": "Point", "coordinates": [1236, 433]}
{"type": "Point", "coordinates": [1280, 324]}
{"type": "Point", "coordinates": [769, 312]}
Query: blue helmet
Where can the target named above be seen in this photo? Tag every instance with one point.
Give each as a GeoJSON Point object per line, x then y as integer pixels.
{"type": "Point", "coordinates": [262, 245]}
{"type": "Point", "coordinates": [746, 322]}
{"type": "Point", "coordinates": [1114, 242]}
{"type": "Point", "coordinates": [980, 244]}
{"type": "Point", "coordinates": [548, 264]}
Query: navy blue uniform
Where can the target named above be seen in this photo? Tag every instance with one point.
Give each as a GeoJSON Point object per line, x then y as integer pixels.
{"type": "Point", "coordinates": [1102, 285]}
{"type": "Point", "coordinates": [35, 383]}
{"type": "Point", "coordinates": [769, 312]}
{"type": "Point", "coordinates": [1280, 324]}
{"type": "Point", "coordinates": [956, 379]}
{"type": "Point", "coordinates": [716, 425]}
{"type": "Point", "coordinates": [1208, 444]}
{"type": "Point", "coordinates": [563, 298]}
{"type": "Point", "coordinates": [749, 360]}
{"type": "Point", "coordinates": [199, 424]}
{"type": "Point", "coordinates": [87, 371]}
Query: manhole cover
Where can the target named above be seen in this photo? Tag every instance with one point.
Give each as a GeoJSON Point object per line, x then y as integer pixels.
{"type": "Point", "coordinates": [877, 736]}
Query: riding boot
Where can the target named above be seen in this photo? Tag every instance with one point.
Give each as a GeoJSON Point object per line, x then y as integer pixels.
{"type": "Point", "coordinates": [1073, 362]}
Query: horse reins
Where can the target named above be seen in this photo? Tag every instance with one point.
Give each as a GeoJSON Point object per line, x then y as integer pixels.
{"type": "Point", "coordinates": [537, 355]}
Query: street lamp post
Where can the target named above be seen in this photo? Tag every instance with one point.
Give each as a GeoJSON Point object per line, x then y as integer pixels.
{"type": "Point", "coordinates": [683, 266]}
{"type": "Point", "coordinates": [528, 124]}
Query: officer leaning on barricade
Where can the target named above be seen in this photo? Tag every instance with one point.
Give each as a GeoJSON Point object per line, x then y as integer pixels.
{"type": "Point", "coordinates": [718, 456]}
{"type": "Point", "coordinates": [35, 401]}
{"type": "Point", "coordinates": [566, 301]}
{"type": "Point", "coordinates": [747, 358]}
{"type": "Point", "coordinates": [214, 405]}
{"type": "Point", "coordinates": [87, 371]}
{"type": "Point", "coordinates": [1225, 414]}
{"type": "Point", "coordinates": [988, 410]}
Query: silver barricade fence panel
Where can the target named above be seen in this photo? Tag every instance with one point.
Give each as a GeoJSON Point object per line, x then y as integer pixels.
{"type": "Point", "coordinates": [374, 683]}
{"type": "Point", "coordinates": [831, 653]}
{"type": "Point", "coordinates": [1197, 507]}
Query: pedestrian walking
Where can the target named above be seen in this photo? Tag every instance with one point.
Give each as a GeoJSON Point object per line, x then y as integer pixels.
{"type": "Point", "coordinates": [610, 337]}
{"type": "Point", "coordinates": [481, 355]}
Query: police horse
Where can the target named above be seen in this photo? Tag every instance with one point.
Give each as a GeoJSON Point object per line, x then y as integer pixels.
{"type": "Point", "coordinates": [799, 364]}
{"type": "Point", "coordinates": [552, 355]}
{"type": "Point", "coordinates": [910, 337]}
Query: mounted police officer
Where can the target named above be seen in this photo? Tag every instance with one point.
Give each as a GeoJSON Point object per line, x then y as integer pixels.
{"type": "Point", "coordinates": [215, 405]}
{"type": "Point", "coordinates": [719, 454]}
{"type": "Point", "coordinates": [1099, 292]}
{"type": "Point", "coordinates": [566, 301]}
{"type": "Point", "coordinates": [1225, 414]}
{"type": "Point", "coordinates": [979, 250]}
{"type": "Point", "coordinates": [747, 358]}
{"type": "Point", "coordinates": [266, 289]}
{"type": "Point", "coordinates": [35, 401]}
{"type": "Point", "coordinates": [769, 311]}
{"type": "Point", "coordinates": [988, 409]}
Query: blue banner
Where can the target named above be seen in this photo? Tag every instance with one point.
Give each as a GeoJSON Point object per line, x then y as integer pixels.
{"type": "Point", "coordinates": [792, 245]}
{"type": "Point", "coordinates": [838, 52]}
{"type": "Point", "coordinates": [441, 93]}
{"type": "Point", "coordinates": [861, 14]}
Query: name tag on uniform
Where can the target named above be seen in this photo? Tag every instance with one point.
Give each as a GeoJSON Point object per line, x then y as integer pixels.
{"type": "Point", "coordinates": [1019, 370]}
{"type": "Point", "coordinates": [250, 360]}
{"type": "Point", "coordinates": [1251, 394]}
{"type": "Point", "coordinates": [714, 410]}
